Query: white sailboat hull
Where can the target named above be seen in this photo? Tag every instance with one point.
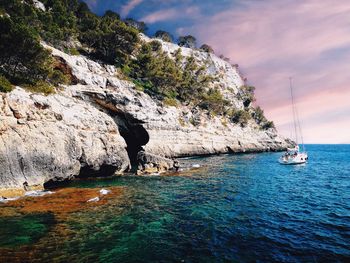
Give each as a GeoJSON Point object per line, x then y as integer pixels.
{"type": "Point", "coordinates": [293, 158]}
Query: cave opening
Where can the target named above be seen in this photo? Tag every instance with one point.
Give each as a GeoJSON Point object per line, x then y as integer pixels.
{"type": "Point", "coordinates": [134, 134]}
{"type": "Point", "coordinates": [88, 171]}
{"type": "Point", "coordinates": [56, 183]}
{"type": "Point", "coordinates": [130, 128]}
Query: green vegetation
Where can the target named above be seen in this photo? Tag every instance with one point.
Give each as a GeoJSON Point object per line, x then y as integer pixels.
{"type": "Point", "coordinates": [69, 25]}
{"type": "Point", "coordinates": [5, 85]}
{"type": "Point", "coordinates": [171, 102]}
{"type": "Point", "coordinates": [187, 41]}
{"type": "Point", "coordinates": [206, 48]}
{"type": "Point", "coordinates": [163, 35]}
{"type": "Point", "coordinates": [259, 117]}
{"type": "Point", "coordinates": [214, 102]}
{"type": "Point", "coordinates": [246, 94]}
{"type": "Point", "coordinates": [22, 58]}
{"type": "Point", "coordinates": [241, 117]}
{"type": "Point", "coordinates": [41, 87]}
{"type": "Point", "coordinates": [25, 62]}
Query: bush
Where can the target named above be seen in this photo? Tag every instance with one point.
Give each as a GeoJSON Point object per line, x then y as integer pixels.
{"type": "Point", "coordinates": [170, 102]}
{"type": "Point", "coordinates": [246, 94]}
{"type": "Point", "coordinates": [74, 52]}
{"type": "Point", "coordinates": [258, 115]}
{"type": "Point", "coordinates": [163, 35]}
{"type": "Point", "coordinates": [57, 77]}
{"type": "Point", "coordinates": [5, 85]}
{"type": "Point", "coordinates": [241, 117]}
{"type": "Point", "coordinates": [41, 87]}
{"type": "Point", "coordinates": [207, 48]}
{"type": "Point", "coordinates": [187, 41]}
{"type": "Point", "coordinates": [22, 58]}
{"type": "Point", "coordinates": [268, 125]}
{"type": "Point", "coordinates": [260, 119]}
{"type": "Point", "coordinates": [214, 101]}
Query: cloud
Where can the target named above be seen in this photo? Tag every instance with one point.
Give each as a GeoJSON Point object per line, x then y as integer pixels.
{"type": "Point", "coordinates": [172, 14]}
{"type": "Point", "coordinates": [160, 15]}
{"type": "Point", "coordinates": [321, 113]}
{"type": "Point", "coordinates": [272, 40]}
{"type": "Point", "coordinates": [126, 9]}
{"type": "Point", "coordinates": [91, 3]}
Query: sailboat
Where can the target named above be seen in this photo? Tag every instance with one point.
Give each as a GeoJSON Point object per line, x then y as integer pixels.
{"type": "Point", "coordinates": [294, 155]}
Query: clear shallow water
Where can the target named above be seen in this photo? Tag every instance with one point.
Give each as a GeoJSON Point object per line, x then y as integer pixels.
{"type": "Point", "coordinates": [238, 208]}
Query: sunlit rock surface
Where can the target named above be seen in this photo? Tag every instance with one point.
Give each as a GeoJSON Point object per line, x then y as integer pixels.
{"type": "Point", "coordinates": [99, 125]}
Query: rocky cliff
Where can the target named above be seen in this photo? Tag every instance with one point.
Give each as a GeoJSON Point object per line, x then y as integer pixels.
{"type": "Point", "coordinates": [103, 124]}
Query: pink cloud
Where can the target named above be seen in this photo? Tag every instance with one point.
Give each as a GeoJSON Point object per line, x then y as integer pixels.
{"type": "Point", "coordinates": [126, 9]}
{"type": "Point", "coordinates": [313, 110]}
{"type": "Point", "coordinates": [160, 15]}
{"type": "Point", "coordinates": [171, 14]}
{"type": "Point", "coordinates": [272, 40]}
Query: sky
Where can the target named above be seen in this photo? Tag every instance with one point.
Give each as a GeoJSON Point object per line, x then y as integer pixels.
{"type": "Point", "coordinates": [270, 40]}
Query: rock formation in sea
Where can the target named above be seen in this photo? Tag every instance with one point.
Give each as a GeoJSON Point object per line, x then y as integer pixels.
{"type": "Point", "coordinates": [102, 125]}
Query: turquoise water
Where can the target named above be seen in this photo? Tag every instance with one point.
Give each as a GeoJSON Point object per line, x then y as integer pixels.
{"type": "Point", "coordinates": [238, 208]}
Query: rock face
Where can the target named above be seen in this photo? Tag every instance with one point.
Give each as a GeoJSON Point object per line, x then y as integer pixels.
{"type": "Point", "coordinates": [55, 138]}
{"type": "Point", "coordinates": [103, 124]}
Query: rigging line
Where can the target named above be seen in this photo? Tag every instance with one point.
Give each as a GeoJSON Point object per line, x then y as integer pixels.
{"type": "Point", "coordinates": [299, 126]}
{"type": "Point", "coordinates": [294, 111]}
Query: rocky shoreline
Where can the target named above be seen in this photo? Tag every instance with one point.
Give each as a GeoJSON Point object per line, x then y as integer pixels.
{"type": "Point", "coordinates": [103, 125]}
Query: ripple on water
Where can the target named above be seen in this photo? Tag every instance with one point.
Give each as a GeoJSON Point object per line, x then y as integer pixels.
{"type": "Point", "coordinates": [236, 208]}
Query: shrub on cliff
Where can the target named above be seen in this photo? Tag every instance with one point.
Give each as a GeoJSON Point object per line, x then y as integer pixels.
{"type": "Point", "coordinates": [187, 41]}
{"type": "Point", "coordinates": [170, 102]}
{"type": "Point", "coordinates": [163, 35]}
{"type": "Point", "coordinates": [110, 39]}
{"type": "Point", "coordinates": [241, 117]}
{"type": "Point", "coordinates": [22, 58]}
{"type": "Point", "coordinates": [246, 94]}
{"type": "Point", "coordinates": [5, 85]}
{"type": "Point", "coordinates": [41, 87]}
{"type": "Point", "coordinates": [259, 117]}
{"type": "Point", "coordinates": [179, 78]}
{"type": "Point", "coordinates": [268, 125]}
{"type": "Point", "coordinates": [213, 101]}
{"type": "Point", "coordinates": [207, 48]}
{"type": "Point", "coordinates": [152, 65]}
{"type": "Point", "coordinates": [138, 25]}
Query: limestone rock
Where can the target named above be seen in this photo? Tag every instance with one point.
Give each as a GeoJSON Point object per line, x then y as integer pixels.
{"type": "Point", "coordinates": [50, 148]}
{"type": "Point", "coordinates": [102, 125]}
{"type": "Point", "coordinates": [151, 163]}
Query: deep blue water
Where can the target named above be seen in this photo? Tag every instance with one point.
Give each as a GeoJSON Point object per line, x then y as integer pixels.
{"type": "Point", "coordinates": [237, 208]}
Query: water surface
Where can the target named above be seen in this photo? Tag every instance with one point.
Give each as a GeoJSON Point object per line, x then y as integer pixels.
{"type": "Point", "coordinates": [235, 208]}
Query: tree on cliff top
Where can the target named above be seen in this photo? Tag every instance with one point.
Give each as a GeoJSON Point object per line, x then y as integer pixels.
{"type": "Point", "coordinates": [22, 58]}
{"type": "Point", "coordinates": [207, 48]}
{"type": "Point", "coordinates": [163, 35]}
{"type": "Point", "coordinates": [187, 41]}
{"type": "Point", "coordinates": [138, 25]}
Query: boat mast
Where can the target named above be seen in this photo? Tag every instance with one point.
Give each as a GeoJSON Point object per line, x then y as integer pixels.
{"type": "Point", "coordinates": [299, 126]}
{"type": "Point", "coordinates": [296, 118]}
{"type": "Point", "coordinates": [294, 110]}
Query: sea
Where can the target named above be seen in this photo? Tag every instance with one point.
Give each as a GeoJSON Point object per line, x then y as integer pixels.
{"type": "Point", "coordinates": [223, 208]}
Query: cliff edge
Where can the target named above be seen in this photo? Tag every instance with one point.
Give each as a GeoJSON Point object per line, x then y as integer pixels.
{"type": "Point", "coordinates": [103, 124]}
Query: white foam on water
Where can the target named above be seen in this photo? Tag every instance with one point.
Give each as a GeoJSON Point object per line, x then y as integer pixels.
{"type": "Point", "coordinates": [95, 199]}
{"type": "Point", "coordinates": [104, 191]}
